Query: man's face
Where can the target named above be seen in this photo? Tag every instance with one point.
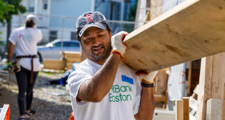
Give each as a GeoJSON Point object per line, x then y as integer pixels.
{"type": "Point", "coordinates": [96, 43]}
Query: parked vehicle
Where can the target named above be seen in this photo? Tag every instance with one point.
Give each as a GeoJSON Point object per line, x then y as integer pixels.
{"type": "Point", "coordinates": [52, 50]}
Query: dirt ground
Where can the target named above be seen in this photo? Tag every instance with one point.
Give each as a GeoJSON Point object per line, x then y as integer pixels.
{"type": "Point", "coordinates": [51, 102]}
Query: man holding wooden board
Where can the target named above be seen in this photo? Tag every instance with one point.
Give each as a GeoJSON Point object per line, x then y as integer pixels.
{"type": "Point", "coordinates": [101, 88]}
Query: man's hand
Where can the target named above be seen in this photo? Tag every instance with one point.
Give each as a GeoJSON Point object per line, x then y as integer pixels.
{"type": "Point", "coordinates": [8, 64]}
{"type": "Point", "coordinates": [147, 77]}
{"type": "Point", "coordinates": [117, 43]}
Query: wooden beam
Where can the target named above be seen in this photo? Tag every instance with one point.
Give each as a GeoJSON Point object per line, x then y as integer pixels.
{"type": "Point", "coordinates": [204, 86]}
{"type": "Point", "coordinates": [177, 36]}
{"type": "Point", "coordinates": [186, 108]}
{"type": "Point", "coordinates": [212, 79]}
{"type": "Point", "coordinates": [214, 108]}
{"type": "Point", "coordinates": [179, 110]}
{"type": "Point", "coordinates": [159, 98]}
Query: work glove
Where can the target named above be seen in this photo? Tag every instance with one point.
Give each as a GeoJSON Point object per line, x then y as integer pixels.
{"type": "Point", "coordinates": [147, 77]}
{"type": "Point", "coordinates": [117, 43]}
{"type": "Point", "coordinates": [8, 64]}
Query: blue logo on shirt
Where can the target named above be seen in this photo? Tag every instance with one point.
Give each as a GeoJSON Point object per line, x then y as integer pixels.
{"type": "Point", "coordinates": [127, 79]}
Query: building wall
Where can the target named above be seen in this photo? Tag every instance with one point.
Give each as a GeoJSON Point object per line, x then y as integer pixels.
{"type": "Point", "coordinates": [70, 8]}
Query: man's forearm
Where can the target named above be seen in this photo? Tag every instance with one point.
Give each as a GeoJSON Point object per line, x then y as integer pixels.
{"type": "Point", "coordinates": [147, 104]}
{"type": "Point", "coordinates": [10, 52]}
{"type": "Point", "coordinates": [96, 88]}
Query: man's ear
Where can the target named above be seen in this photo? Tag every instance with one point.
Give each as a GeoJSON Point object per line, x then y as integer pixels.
{"type": "Point", "coordinates": [110, 34]}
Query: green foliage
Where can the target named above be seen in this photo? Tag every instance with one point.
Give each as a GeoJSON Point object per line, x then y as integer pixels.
{"type": "Point", "coordinates": [9, 8]}
{"type": "Point", "coordinates": [132, 13]}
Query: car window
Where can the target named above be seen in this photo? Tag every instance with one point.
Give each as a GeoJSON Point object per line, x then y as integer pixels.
{"type": "Point", "coordinates": [72, 44]}
{"type": "Point", "coordinates": [66, 44]}
{"type": "Point", "coordinates": [58, 44]}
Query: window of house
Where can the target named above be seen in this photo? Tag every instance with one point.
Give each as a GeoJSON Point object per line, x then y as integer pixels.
{"type": "Point", "coordinates": [30, 5]}
{"type": "Point", "coordinates": [52, 35]}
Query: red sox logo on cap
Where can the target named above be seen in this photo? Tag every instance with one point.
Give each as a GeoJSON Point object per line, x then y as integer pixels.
{"type": "Point", "coordinates": [89, 18]}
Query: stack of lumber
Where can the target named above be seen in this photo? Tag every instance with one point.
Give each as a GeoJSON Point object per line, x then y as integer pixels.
{"type": "Point", "coordinates": [70, 58]}
{"type": "Point", "coordinates": [54, 64]}
{"type": "Point", "coordinates": [65, 63]}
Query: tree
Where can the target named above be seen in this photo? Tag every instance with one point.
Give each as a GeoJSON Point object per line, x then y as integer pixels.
{"type": "Point", "coordinates": [3, 9]}
{"type": "Point", "coordinates": [132, 13]}
{"type": "Point", "coordinates": [13, 7]}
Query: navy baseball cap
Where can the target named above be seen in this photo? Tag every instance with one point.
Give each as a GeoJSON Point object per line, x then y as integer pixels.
{"type": "Point", "coordinates": [90, 19]}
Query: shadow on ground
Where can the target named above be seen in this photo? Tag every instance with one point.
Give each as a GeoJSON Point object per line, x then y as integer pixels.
{"type": "Point", "coordinates": [45, 109]}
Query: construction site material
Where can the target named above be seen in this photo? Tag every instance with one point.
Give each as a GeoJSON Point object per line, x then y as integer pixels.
{"type": "Point", "coordinates": [193, 102]}
{"type": "Point", "coordinates": [179, 110]}
{"type": "Point", "coordinates": [185, 108]}
{"type": "Point", "coordinates": [211, 84]}
{"type": "Point", "coordinates": [5, 112]}
{"type": "Point", "coordinates": [70, 58]}
{"type": "Point", "coordinates": [214, 107]}
{"type": "Point", "coordinates": [162, 42]}
{"type": "Point", "coordinates": [54, 64]}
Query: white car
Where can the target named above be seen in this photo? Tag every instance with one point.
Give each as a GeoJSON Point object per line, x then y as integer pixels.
{"type": "Point", "coordinates": [52, 50]}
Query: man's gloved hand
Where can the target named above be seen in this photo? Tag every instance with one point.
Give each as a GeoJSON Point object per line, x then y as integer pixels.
{"type": "Point", "coordinates": [147, 77]}
{"type": "Point", "coordinates": [8, 64]}
{"type": "Point", "coordinates": [117, 43]}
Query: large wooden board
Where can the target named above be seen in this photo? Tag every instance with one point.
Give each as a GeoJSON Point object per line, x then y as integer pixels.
{"type": "Point", "coordinates": [191, 30]}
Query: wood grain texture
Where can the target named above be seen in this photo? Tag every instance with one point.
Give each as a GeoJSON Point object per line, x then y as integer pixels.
{"type": "Point", "coordinates": [54, 64]}
{"type": "Point", "coordinates": [186, 108]}
{"type": "Point", "coordinates": [223, 100]}
{"type": "Point", "coordinates": [214, 107]}
{"type": "Point", "coordinates": [212, 79]}
{"type": "Point", "coordinates": [189, 31]}
{"type": "Point", "coordinates": [179, 110]}
{"type": "Point", "coordinates": [204, 92]}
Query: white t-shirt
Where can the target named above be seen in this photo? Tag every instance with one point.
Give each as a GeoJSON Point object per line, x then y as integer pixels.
{"type": "Point", "coordinates": [121, 103]}
{"type": "Point", "coordinates": [25, 41]}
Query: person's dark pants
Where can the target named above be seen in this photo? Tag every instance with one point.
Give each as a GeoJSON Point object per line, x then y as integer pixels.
{"type": "Point", "coordinates": [23, 81]}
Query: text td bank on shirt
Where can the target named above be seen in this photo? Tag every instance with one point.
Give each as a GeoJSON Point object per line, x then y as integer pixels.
{"type": "Point", "coordinates": [25, 41]}
{"type": "Point", "coordinates": [121, 103]}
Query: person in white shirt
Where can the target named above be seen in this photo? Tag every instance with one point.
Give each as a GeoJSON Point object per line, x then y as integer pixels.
{"type": "Point", "coordinates": [101, 88]}
{"type": "Point", "coordinates": [24, 40]}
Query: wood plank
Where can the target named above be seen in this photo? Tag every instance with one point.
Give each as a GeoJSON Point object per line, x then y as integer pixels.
{"type": "Point", "coordinates": [69, 52]}
{"type": "Point", "coordinates": [186, 108]}
{"type": "Point", "coordinates": [165, 101]}
{"type": "Point", "coordinates": [54, 64]}
{"type": "Point", "coordinates": [68, 56]}
{"type": "Point", "coordinates": [162, 42]}
{"type": "Point", "coordinates": [214, 107]}
{"type": "Point", "coordinates": [75, 59]}
{"type": "Point", "coordinates": [223, 100]}
{"type": "Point", "coordinates": [159, 98]}
{"type": "Point", "coordinates": [205, 92]}
{"type": "Point", "coordinates": [179, 110]}
{"type": "Point", "coordinates": [189, 79]}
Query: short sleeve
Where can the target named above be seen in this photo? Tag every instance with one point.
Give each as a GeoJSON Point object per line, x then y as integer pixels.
{"type": "Point", "coordinates": [75, 80]}
{"type": "Point", "coordinates": [137, 95]}
{"type": "Point", "coordinates": [13, 38]}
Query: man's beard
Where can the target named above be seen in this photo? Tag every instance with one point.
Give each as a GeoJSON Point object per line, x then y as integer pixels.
{"type": "Point", "coordinates": [102, 56]}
